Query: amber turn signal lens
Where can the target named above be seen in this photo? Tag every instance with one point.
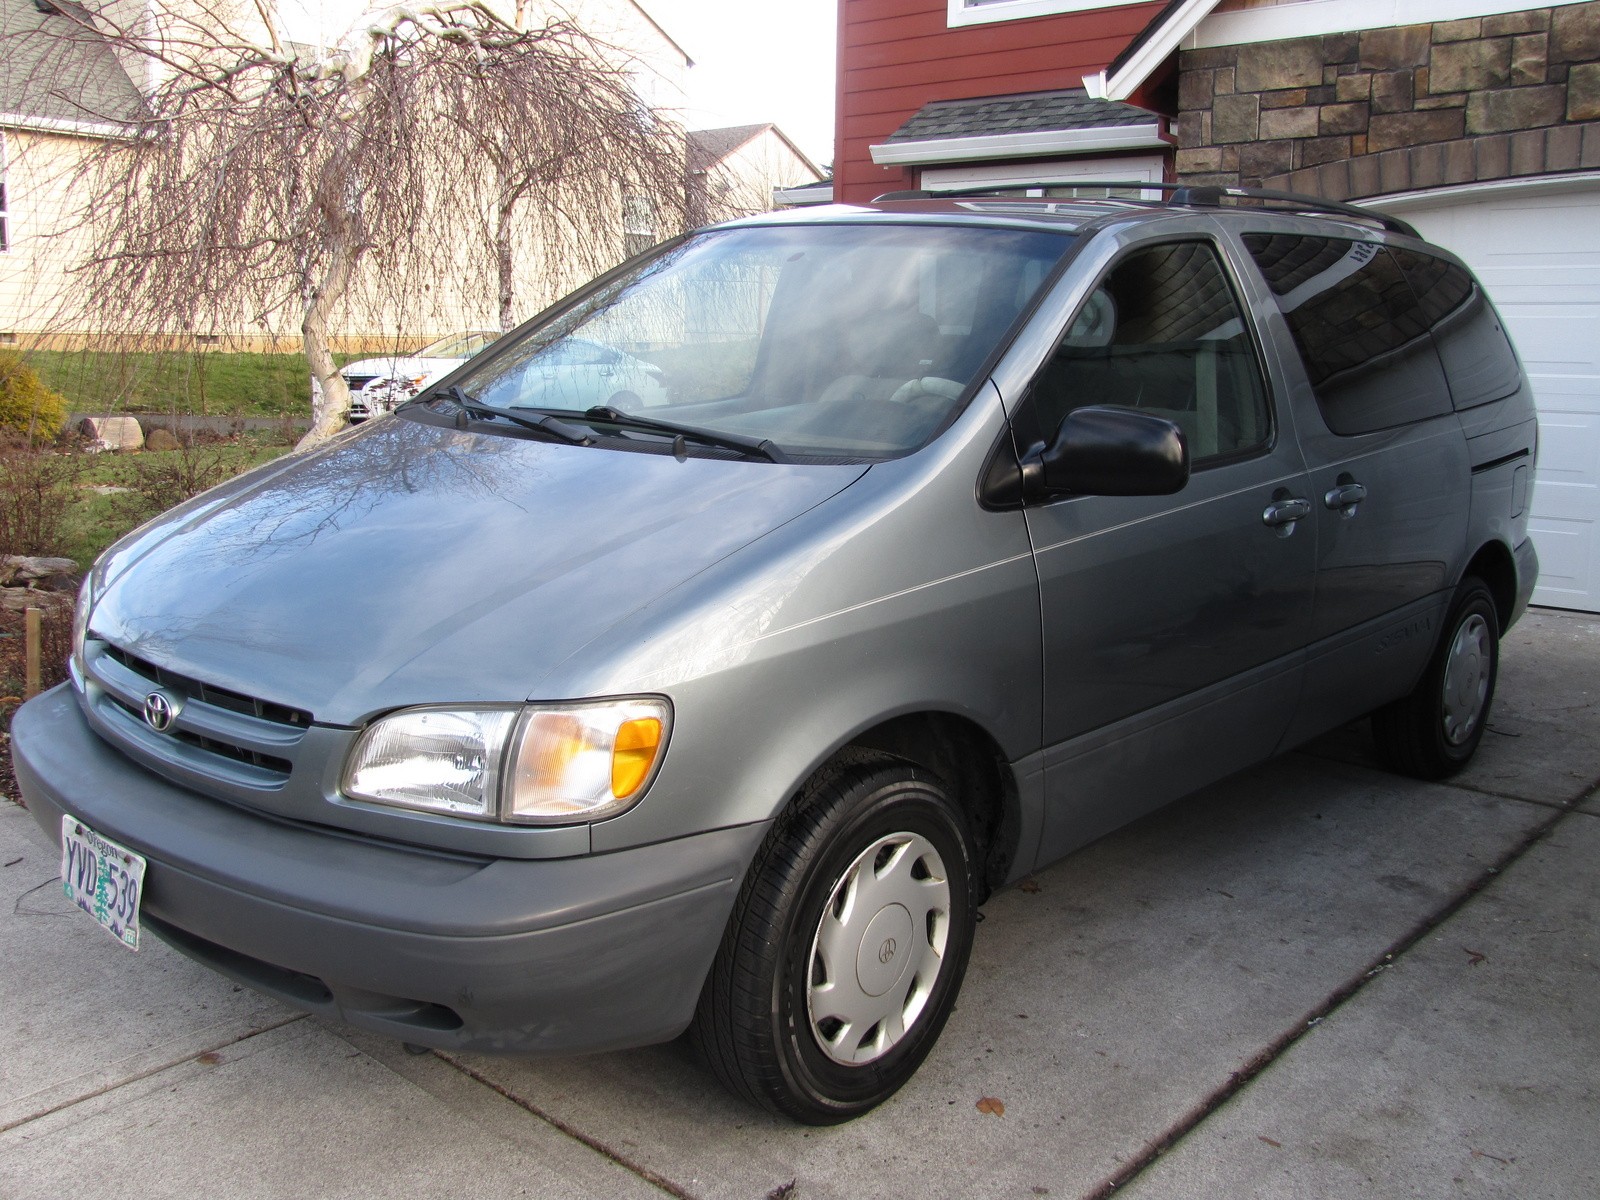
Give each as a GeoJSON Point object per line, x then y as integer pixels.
{"type": "Point", "coordinates": [633, 754]}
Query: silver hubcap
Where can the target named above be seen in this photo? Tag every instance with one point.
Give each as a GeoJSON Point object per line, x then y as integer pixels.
{"type": "Point", "coordinates": [878, 948]}
{"type": "Point", "coordinates": [1466, 679]}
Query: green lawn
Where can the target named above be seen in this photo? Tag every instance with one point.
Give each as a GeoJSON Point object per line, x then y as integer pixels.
{"type": "Point", "coordinates": [210, 384]}
{"type": "Point", "coordinates": [158, 479]}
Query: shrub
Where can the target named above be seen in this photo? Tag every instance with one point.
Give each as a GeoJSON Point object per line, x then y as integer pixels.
{"type": "Point", "coordinates": [36, 488]}
{"type": "Point", "coordinates": [26, 405]}
{"type": "Point", "coordinates": [165, 480]}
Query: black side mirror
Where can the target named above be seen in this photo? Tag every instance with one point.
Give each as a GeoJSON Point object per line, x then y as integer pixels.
{"type": "Point", "coordinates": [1103, 450]}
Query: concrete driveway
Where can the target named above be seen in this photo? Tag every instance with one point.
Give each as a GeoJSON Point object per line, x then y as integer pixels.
{"type": "Point", "coordinates": [1314, 979]}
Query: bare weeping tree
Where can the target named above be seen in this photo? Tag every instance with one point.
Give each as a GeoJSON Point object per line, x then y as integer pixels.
{"type": "Point", "coordinates": [270, 183]}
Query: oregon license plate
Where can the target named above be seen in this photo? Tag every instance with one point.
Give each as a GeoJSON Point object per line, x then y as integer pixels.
{"type": "Point", "coordinates": [102, 878]}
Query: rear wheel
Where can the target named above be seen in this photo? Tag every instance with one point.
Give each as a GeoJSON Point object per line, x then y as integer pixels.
{"type": "Point", "coordinates": [846, 948]}
{"type": "Point", "coordinates": [1433, 732]}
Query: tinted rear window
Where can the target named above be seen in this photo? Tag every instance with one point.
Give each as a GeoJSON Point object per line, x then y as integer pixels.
{"type": "Point", "coordinates": [1467, 331]}
{"type": "Point", "coordinates": [1360, 331]}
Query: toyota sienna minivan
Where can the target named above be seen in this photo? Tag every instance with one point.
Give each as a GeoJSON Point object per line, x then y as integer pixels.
{"type": "Point", "coordinates": [963, 531]}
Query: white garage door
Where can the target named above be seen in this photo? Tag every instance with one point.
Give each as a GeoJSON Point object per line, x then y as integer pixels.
{"type": "Point", "coordinates": [1537, 250]}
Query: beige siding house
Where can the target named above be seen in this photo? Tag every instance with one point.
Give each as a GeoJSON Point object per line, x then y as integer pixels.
{"type": "Point", "coordinates": [734, 171]}
{"type": "Point", "coordinates": [64, 90]}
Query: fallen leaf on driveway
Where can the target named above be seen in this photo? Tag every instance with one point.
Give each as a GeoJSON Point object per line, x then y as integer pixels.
{"type": "Point", "coordinates": [1275, 1145]}
{"type": "Point", "coordinates": [1031, 886]}
{"type": "Point", "coordinates": [1504, 1162]}
{"type": "Point", "coordinates": [209, 1059]}
{"type": "Point", "coordinates": [988, 1104]}
{"type": "Point", "coordinates": [1474, 957]}
{"type": "Point", "coordinates": [782, 1192]}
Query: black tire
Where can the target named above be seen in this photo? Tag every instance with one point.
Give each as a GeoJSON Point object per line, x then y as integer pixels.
{"type": "Point", "coordinates": [1433, 732]}
{"type": "Point", "coordinates": [755, 1024]}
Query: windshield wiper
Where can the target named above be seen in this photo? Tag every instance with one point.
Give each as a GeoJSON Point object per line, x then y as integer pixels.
{"type": "Point", "coordinates": [543, 422]}
{"type": "Point", "coordinates": [753, 447]}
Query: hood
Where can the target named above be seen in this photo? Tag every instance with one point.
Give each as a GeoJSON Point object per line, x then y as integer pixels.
{"type": "Point", "coordinates": [408, 564]}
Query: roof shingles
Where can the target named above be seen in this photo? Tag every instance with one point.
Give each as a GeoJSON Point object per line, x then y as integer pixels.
{"type": "Point", "coordinates": [55, 67]}
{"type": "Point", "coordinates": [1033, 112]}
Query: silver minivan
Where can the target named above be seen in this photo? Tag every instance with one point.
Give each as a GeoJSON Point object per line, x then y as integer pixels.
{"type": "Point", "coordinates": [962, 531]}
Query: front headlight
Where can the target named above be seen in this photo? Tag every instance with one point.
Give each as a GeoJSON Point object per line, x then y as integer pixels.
{"type": "Point", "coordinates": [80, 620]}
{"type": "Point", "coordinates": [537, 765]}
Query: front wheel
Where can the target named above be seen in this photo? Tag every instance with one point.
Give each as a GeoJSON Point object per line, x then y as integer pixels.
{"type": "Point", "coordinates": [846, 947]}
{"type": "Point", "coordinates": [1433, 732]}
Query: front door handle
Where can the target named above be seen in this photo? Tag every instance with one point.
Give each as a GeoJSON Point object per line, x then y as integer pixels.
{"type": "Point", "coordinates": [1345, 497]}
{"type": "Point", "coordinates": [1283, 513]}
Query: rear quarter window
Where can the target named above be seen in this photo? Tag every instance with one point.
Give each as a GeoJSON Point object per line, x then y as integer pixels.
{"type": "Point", "coordinates": [1472, 342]}
{"type": "Point", "coordinates": [1360, 330]}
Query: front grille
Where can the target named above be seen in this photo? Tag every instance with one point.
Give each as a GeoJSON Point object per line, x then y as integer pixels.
{"type": "Point", "coordinates": [267, 762]}
{"type": "Point", "coordinates": [220, 736]}
{"type": "Point", "coordinates": [195, 689]}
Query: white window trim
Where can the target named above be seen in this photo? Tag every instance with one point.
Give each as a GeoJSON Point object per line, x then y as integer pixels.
{"type": "Point", "coordinates": [1022, 145]}
{"type": "Point", "coordinates": [1310, 17]}
{"type": "Point", "coordinates": [960, 12]}
{"type": "Point", "coordinates": [1147, 168]}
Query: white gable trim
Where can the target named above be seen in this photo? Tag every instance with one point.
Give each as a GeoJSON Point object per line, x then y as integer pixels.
{"type": "Point", "coordinates": [1193, 26]}
{"type": "Point", "coordinates": [1150, 55]}
{"type": "Point", "coordinates": [1309, 17]}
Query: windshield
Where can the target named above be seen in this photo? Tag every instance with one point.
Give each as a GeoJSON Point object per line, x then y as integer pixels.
{"type": "Point", "coordinates": [457, 345]}
{"type": "Point", "coordinates": [826, 341]}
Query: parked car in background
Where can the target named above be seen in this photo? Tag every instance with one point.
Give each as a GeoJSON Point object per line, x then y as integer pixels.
{"type": "Point", "coordinates": [379, 385]}
{"type": "Point", "coordinates": [968, 530]}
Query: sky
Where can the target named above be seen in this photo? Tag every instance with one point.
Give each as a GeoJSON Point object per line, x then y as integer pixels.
{"type": "Point", "coordinates": [755, 60]}
{"type": "Point", "coordinates": [758, 60]}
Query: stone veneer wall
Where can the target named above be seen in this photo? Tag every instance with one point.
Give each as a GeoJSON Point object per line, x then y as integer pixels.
{"type": "Point", "coordinates": [1346, 115]}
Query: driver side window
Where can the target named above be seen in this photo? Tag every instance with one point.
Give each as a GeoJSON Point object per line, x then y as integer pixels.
{"type": "Point", "coordinates": [1163, 333]}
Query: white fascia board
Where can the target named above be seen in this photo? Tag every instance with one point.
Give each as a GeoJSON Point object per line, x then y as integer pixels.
{"type": "Point", "coordinates": [1310, 17]}
{"type": "Point", "coordinates": [110, 130]}
{"type": "Point", "coordinates": [1144, 168]}
{"type": "Point", "coordinates": [1022, 145]}
{"type": "Point", "coordinates": [1149, 56]}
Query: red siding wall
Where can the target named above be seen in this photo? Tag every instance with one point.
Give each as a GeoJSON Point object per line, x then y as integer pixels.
{"type": "Point", "coordinates": [897, 55]}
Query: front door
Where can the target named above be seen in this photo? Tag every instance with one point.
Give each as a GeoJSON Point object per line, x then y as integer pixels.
{"type": "Point", "coordinates": [1173, 625]}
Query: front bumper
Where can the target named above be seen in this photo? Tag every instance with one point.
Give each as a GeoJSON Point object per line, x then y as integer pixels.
{"type": "Point", "coordinates": [550, 956]}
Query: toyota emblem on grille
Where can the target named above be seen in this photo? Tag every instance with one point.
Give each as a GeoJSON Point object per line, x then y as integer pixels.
{"type": "Point", "coordinates": [159, 711]}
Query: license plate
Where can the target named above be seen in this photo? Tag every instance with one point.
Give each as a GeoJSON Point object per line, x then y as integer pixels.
{"type": "Point", "coordinates": [102, 878]}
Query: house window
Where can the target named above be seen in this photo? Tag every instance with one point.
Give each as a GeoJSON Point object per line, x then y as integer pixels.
{"type": "Point", "coordinates": [638, 223]}
{"type": "Point", "coordinates": [977, 12]}
{"type": "Point", "coordinates": [5, 196]}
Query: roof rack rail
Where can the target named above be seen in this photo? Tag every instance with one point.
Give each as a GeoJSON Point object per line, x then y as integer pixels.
{"type": "Point", "coordinates": [1179, 195]}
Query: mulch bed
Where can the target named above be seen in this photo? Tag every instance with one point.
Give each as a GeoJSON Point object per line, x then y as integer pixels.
{"type": "Point", "coordinates": [56, 626]}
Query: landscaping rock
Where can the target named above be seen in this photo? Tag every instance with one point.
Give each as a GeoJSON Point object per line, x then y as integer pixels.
{"type": "Point", "coordinates": [17, 569]}
{"type": "Point", "coordinates": [112, 433]}
{"type": "Point", "coordinates": [160, 439]}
